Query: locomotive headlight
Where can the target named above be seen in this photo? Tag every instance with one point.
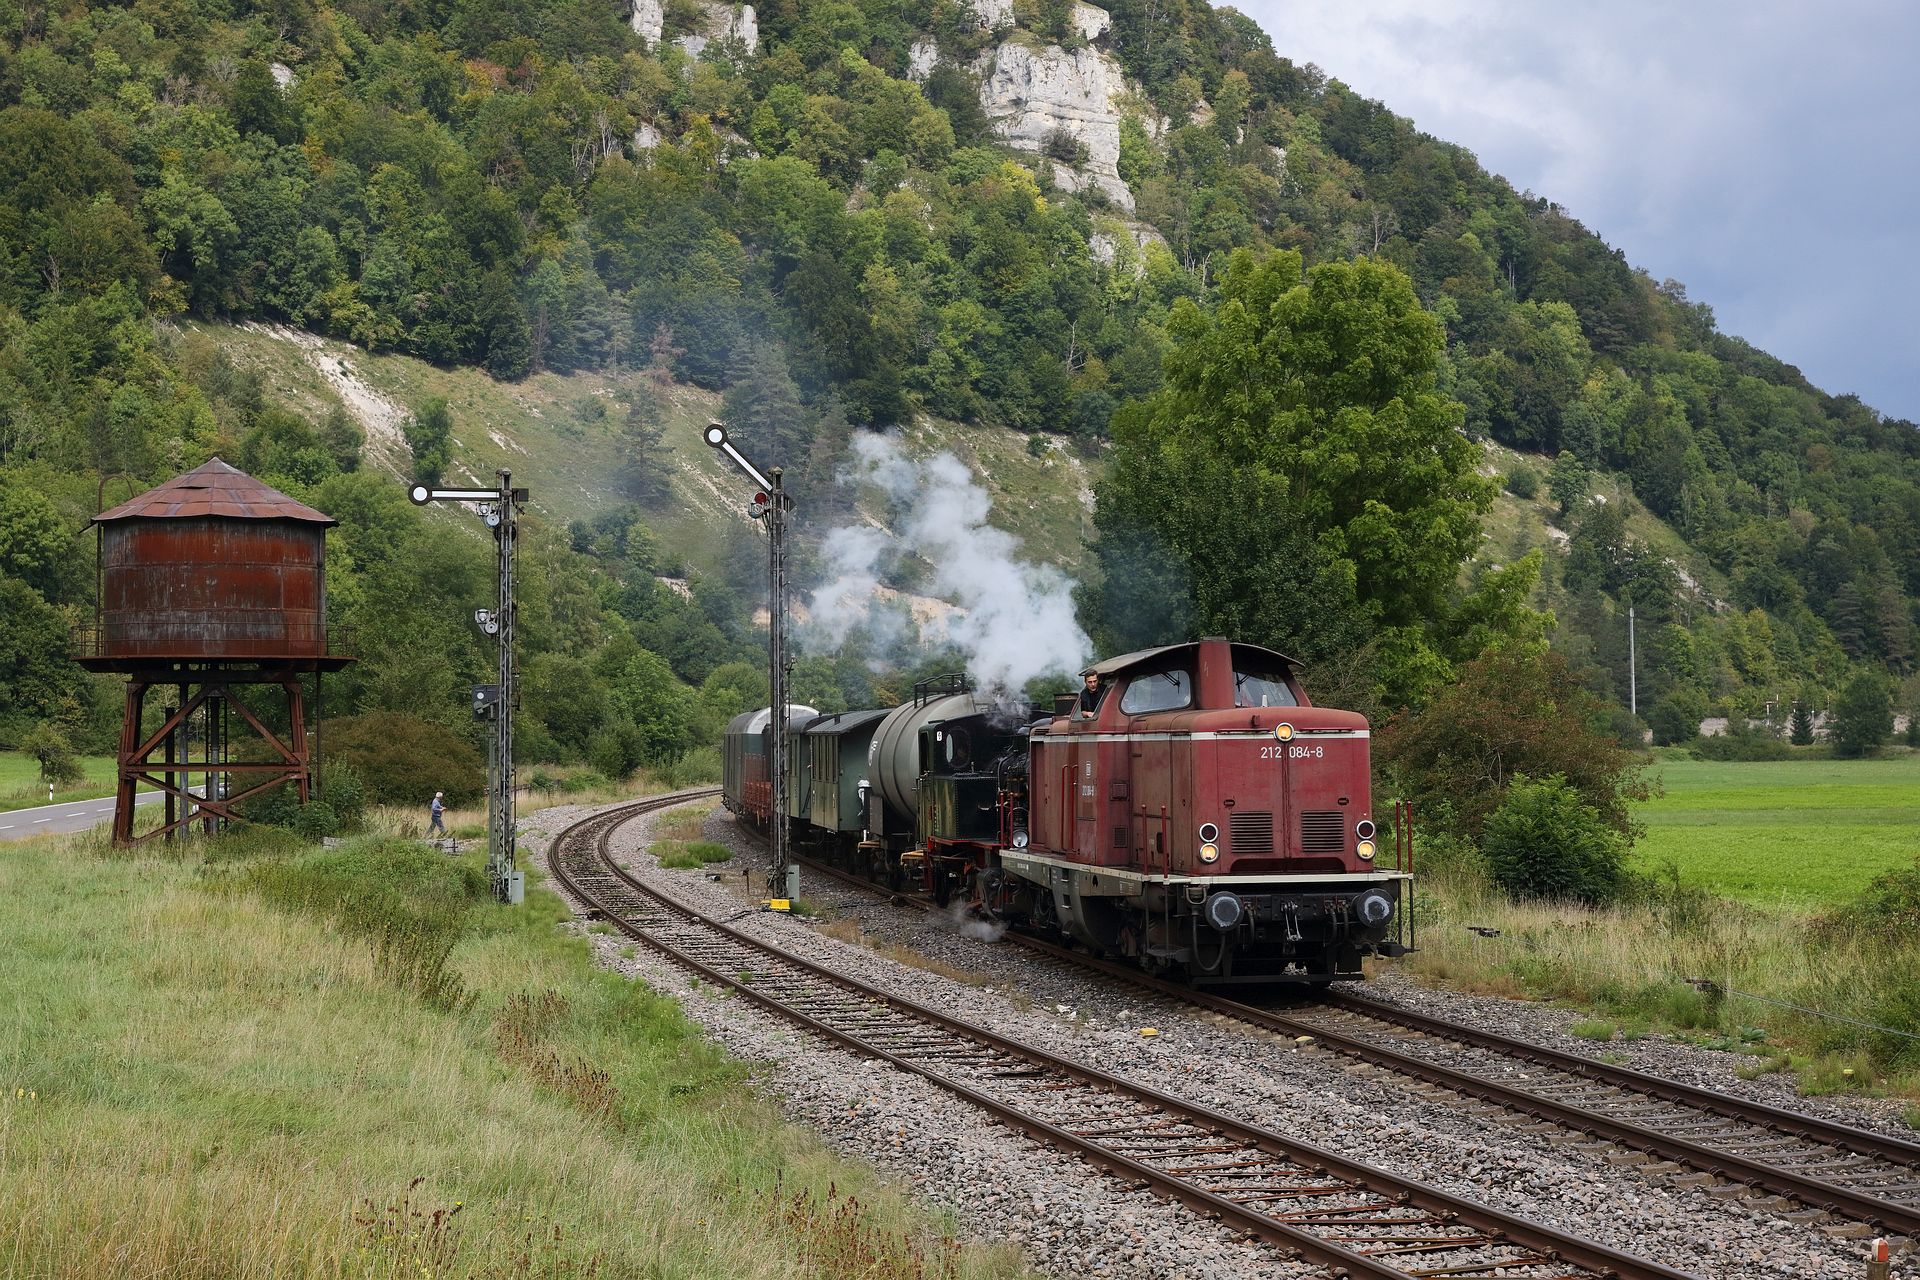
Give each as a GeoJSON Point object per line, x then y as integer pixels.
{"type": "Point", "coordinates": [1364, 828]}
{"type": "Point", "coordinates": [1019, 839]}
{"type": "Point", "coordinates": [1208, 833]}
{"type": "Point", "coordinates": [1209, 852]}
{"type": "Point", "coordinates": [1283, 731]}
{"type": "Point", "coordinates": [1365, 850]}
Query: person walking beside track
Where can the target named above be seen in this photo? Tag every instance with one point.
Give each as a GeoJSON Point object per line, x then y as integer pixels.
{"type": "Point", "coordinates": [437, 810]}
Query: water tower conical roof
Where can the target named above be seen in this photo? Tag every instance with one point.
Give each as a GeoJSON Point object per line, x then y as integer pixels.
{"type": "Point", "coordinates": [214, 489]}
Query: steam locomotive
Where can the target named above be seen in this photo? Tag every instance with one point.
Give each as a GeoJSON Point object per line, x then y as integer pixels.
{"type": "Point", "coordinates": [1203, 819]}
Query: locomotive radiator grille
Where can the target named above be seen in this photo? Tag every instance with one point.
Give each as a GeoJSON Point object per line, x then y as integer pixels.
{"type": "Point", "coordinates": [1252, 833]}
{"type": "Point", "coordinates": [1322, 832]}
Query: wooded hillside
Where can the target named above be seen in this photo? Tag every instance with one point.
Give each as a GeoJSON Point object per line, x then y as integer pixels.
{"type": "Point", "coordinates": [828, 227]}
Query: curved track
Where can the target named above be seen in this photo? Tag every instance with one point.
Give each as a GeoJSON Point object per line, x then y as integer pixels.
{"type": "Point", "coordinates": [1357, 1220]}
{"type": "Point", "coordinates": [1840, 1170]}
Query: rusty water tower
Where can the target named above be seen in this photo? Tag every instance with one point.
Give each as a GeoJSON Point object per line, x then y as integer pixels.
{"type": "Point", "coordinates": [214, 584]}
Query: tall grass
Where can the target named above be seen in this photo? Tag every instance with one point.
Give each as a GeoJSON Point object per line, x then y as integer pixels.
{"type": "Point", "coordinates": [1680, 959]}
{"type": "Point", "coordinates": [226, 1067]}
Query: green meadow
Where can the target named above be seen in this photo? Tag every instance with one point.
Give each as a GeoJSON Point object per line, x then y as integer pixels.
{"type": "Point", "coordinates": [1783, 833]}
{"type": "Point", "coordinates": [248, 1059]}
{"type": "Point", "coordinates": [21, 788]}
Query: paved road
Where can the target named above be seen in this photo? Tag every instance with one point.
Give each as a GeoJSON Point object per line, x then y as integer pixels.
{"type": "Point", "coordinates": [47, 819]}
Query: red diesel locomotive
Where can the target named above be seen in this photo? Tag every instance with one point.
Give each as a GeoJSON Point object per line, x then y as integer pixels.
{"type": "Point", "coordinates": [1207, 817]}
{"type": "Point", "coordinates": [1204, 818]}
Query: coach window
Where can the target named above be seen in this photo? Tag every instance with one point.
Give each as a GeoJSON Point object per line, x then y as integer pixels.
{"type": "Point", "coordinates": [1260, 687]}
{"type": "Point", "coordinates": [1160, 691]}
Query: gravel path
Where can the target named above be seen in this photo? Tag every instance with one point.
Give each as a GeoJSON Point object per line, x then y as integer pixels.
{"type": "Point", "coordinates": [1072, 1222]}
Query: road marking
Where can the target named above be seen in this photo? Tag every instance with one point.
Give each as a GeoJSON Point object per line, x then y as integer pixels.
{"type": "Point", "coordinates": [38, 821]}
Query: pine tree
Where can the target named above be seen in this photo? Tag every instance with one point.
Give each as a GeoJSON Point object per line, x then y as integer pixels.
{"type": "Point", "coordinates": [1800, 728]}
{"type": "Point", "coordinates": [429, 434]}
{"type": "Point", "coordinates": [763, 410]}
{"type": "Point", "coordinates": [644, 472]}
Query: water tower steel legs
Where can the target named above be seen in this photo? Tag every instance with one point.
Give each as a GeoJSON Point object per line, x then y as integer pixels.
{"type": "Point", "coordinates": [172, 772]}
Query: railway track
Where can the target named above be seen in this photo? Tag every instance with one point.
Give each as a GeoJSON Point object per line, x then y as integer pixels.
{"type": "Point", "coordinates": [1311, 1203]}
{"type": "Point", "coordinates": [1832, 1168]}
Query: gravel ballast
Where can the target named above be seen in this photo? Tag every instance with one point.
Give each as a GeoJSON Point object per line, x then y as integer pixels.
{"type": "Point", "coordinates": [1072, 1221]}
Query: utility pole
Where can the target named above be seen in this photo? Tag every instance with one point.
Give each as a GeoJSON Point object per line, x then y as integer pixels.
{"type": "Point", "coordinates": [499, 507]}
{"type": "Point", "coordinates": [1633, 668]}
{"type": "Point", "coordinates": [771, 504]}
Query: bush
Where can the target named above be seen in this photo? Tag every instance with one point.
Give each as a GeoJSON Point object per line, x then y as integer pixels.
{"type": "Point", "coordinates": [402, 759]}
{"type": "Point", "coordinates": [569, 782]}
{"type": "Point", "coordinates": [272, 808]}
{"type": "Point", "coordinates": [344, 793]}
{"type": "Point", "coordinates": [1545, 842]}
{"type": "Point", "coordinates": [1627, 729]}
{"type": "Point", "coordinates": [1743, 742]}
{"type": "Point", "coordinates": [1523, 482]}
{"type": "Point", "coordinates": [1888, 909]}
{"type": "Point", "coordinates": [315, 820]}
{"type": "Point", "coordinates": [336, 806]}
{"type": "Point", "coordinates": [1061, 144]}
{"type": "Point", "coordinates": [700, 765]}
{"type": "Point", "coordinates": [1511, 711]}
{"type": "Point", "coordinates": [49, 746]}
{"type": "Point", "coordinates": [616, 750]}
{"type": "Point", "coordinates": [1675, 718]}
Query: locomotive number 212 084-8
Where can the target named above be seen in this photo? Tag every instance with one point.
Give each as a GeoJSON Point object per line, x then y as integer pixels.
{"type": "Point", "coordinates": [1293, 752]}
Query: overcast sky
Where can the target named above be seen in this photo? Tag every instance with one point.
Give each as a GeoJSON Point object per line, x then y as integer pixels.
{"type": "Point", "coordinates": [1766, 154]}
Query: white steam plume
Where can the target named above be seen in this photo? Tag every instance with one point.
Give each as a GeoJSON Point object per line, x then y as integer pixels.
{"type": "Point", "coordinates": [1014, 619]}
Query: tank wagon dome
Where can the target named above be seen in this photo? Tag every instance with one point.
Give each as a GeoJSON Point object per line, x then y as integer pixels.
{"type": "Point", "coordinates": [758, 721]}
{"type": "Point", "coordinates": [893, 757]}
{"type": "Point", "coordinates": [212, 566]}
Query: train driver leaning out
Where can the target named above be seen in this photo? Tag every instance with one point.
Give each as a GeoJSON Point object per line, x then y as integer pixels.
{"type": "Point", "coordinates": [1090, 694]}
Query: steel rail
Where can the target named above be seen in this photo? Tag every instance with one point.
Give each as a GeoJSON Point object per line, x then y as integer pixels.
{"type": "Point", "coordinates": [1385, 1198]}
{"type": "Point", "coordinates": [1901, 1159]}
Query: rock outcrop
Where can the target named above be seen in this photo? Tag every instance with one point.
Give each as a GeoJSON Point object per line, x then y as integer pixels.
{"type": "Point", "coordinates": [994, 15]}
{"type": "Point", "coordinates": [1045, 99]}
{"type": "Point", "coordinates": [719, 22]}
{"type": "Point", "coordinates": [921, 60]}
{"type": "Point", "coordinates": [648, 20]}
{"type": "Point", "coordinates": [724, 23]}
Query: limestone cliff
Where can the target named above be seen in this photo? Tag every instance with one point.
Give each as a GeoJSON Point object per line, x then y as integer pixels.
{"type": "Point", "coordinates": [719, 22]}
{"type": "Point", "coordinates": [1060, 102]}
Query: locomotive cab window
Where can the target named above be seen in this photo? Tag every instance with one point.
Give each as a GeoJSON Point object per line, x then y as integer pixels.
{"type": "Point", "coordinates": [958, 749]}
{"type": "Point", "coordinates": [1262, 687]}
{"type": "Point", "coordinates": [1157, 691]}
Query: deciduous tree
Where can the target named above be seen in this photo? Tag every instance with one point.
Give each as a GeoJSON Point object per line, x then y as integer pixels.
{"type": "Point", "coordinates": [1300, 470]}
{"type": "Point", "coordinates": [1862, 715]}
